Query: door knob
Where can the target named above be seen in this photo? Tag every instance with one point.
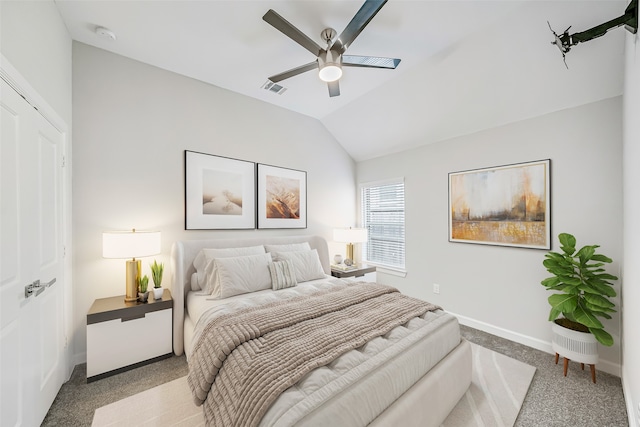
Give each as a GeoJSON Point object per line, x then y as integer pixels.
{"type": "Point", "coordinates": [36, 288]}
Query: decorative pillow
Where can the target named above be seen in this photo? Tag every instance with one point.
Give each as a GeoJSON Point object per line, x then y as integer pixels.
{"type": "Point", "coordinates": [305, 263]}
{"type": "Point", "coordinates": [201, 261]}
{"type": "Point", "coordinates": [240, 275]}
{"type": "Point", "coordinates": [304, 246]}
{"type": "Point", "coordinates": [283, 275]}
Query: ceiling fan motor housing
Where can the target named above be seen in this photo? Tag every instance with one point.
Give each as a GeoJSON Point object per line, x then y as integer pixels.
{"type": "Point", "coordinates": [329, 58]}
{"type": "Point", "coordinates": [330, 65]}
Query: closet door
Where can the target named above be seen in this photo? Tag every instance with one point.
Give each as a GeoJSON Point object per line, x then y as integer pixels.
{"type": "Point", "coordinates": [31, 318]}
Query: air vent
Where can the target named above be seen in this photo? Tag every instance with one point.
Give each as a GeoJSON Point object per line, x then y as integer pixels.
{"type": "Point", "coordinates": [274, 87]}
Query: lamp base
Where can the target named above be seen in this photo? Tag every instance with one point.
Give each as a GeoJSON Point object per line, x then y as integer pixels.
{"type": "Point", "coordinates": [134, 268]}
{"type": "Point", "coordinates": [350, 251]}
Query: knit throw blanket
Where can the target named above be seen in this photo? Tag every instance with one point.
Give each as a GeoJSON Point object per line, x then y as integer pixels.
{"type": "Point", "coordinates": [241, 362]}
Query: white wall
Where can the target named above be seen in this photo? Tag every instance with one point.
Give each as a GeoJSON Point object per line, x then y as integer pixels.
{"type": "Point", "coordinates": [498, 288]}
{"type": "Point", "coordinates": [132, 123]}
{"type": "Point", "coordinates": [631, 285]}
{"type": "Point", "coordinates": [36, 42]}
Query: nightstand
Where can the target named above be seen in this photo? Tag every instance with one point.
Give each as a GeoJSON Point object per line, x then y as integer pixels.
{"type": "Point", "coordinates": [360, 271]}
{"type": "Point", "coordinates": [125, 335]}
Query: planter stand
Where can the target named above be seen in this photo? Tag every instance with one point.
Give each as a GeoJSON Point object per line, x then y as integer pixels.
{"type": "Point", "coordinates": [580, 347]}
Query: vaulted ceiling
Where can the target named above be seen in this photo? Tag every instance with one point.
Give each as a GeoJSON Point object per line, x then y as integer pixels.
{"type": "Point", "coordinates": [465, 65]}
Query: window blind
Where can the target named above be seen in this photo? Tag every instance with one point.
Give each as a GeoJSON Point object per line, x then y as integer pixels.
{"type": "Point", "coordinates": [383, 217]}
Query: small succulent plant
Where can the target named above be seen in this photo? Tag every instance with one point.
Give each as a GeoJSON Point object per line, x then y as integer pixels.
{"type": "Point", "coordinates": [143, 283]}
{"type": "Point", "coordinates": [156, 273]}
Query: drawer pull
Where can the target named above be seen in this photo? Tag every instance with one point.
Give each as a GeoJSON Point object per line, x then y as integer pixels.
{"type": "Point", "coordinates": [137, 316]}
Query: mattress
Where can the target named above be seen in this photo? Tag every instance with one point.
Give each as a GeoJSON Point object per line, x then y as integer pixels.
{"type": "Point", "coordinates": [360, 384]}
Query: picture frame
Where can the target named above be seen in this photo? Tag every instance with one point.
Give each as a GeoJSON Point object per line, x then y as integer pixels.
{"type": "Point", "coordinates": [220, 192]}
{"type": "Point", "coordinates": [504, 205]}
{"type": "Point", "coordinates": [282, 197]}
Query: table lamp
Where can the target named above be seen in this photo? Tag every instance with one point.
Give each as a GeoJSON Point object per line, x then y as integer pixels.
{"type": "Point", "coordinates": [131, 244]}
{"type": "Point", "coordinates": [350, 236]}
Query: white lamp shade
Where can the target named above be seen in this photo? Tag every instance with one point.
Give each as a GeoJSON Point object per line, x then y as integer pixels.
{"type": "Point", "coordinates": [350, 235]}
{"type": "Point", "coordinates": [130, 244]}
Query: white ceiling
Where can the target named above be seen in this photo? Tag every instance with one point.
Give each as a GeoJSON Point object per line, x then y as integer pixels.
{"type": "Point", "coordinates": [466, 65]}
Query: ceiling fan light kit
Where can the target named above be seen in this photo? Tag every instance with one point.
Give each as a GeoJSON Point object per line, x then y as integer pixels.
{"type": "Point", "coordinates": [330, 66]}
{"type": "Point", "coordinates": [329, 61]}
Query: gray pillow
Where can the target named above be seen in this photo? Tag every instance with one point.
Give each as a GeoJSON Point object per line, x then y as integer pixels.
{"type": "Point", "coordinates": [283, 274]}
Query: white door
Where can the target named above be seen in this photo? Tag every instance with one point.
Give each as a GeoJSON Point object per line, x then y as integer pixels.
{"type": "Point", "coordinates": [32, 340]}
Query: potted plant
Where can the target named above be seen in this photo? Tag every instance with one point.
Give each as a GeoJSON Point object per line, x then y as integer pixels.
{"type": "Point", "coordinates": [156, 275]}
{"type": "Point", "coordinates": [143, 283]}
{"type": "Point", "coordinates": [582, 289]}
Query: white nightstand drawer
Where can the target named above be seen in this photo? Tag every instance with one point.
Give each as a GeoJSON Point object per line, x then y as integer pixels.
{"type": "Point", "coordinates": [117, 343]}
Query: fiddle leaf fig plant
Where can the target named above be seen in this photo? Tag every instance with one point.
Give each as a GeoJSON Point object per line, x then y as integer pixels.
{"type": "Point", "coordinates": [582, 286]}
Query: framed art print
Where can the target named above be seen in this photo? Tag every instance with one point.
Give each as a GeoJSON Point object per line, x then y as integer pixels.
{"type": "Point", "coordinates": [219, 192]}
{"type": "Point", "coordinates": [505, 205]}
{"type": "Point", "coordinates": [282, 197]}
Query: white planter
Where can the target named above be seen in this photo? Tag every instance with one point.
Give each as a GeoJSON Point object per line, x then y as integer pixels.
{"type": "Point", "coordinates": [581, 347]}
{"type": "Point", "coordinates": [157, 293]}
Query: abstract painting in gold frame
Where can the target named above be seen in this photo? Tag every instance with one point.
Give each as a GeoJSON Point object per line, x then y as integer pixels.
{"type": "Point", "coordinates": [505, 205]}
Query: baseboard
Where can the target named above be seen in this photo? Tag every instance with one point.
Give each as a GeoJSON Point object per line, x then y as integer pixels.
{"type": "Point", "coordinates": [603, 365]}
{"type": "Point", "coordinates": [79, 358]}
{"type": "Point", "coordinates": [633, 412]}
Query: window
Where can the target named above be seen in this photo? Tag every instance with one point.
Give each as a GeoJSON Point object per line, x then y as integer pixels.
{"type": "Point", "coordinates": [383, 216]}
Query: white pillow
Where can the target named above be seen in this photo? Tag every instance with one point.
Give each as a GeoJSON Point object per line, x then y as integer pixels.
{"type": "Point", "coordinates": [304, 246]}
{"type": "Point", "coordinates": [283, 275]}
{"type": "Point", "coordinates": [241, 275]}
{"type": "Point", "coordinates": [305, 263]}
{"type": "Point", "coordinates": [201, 260]}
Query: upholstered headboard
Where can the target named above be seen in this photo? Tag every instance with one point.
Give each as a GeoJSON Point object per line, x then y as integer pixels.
{"type": "Point", "coordinates": [184, 252]}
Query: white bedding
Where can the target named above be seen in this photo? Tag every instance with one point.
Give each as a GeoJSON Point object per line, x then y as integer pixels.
{"type": "Point", "coordinates": [425, 403]}
{"type": "Point", "coordinates": [199, 302]}
{"type": "Point", "coordinates": [361, 383]}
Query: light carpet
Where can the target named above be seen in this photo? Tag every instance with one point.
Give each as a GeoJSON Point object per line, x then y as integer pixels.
{"type": "Point", "coordinates": [498, 387]}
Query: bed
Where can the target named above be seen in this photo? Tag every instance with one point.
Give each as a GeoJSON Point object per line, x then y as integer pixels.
{"type": "Point", "coordinates": [412, 374]}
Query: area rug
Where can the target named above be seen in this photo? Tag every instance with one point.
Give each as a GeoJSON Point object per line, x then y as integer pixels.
{"type": "Point", "coordinates": [498, 387]}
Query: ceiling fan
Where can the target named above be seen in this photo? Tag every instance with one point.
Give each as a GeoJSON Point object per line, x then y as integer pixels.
{"type": "Point", "coordinates": [329, 60]}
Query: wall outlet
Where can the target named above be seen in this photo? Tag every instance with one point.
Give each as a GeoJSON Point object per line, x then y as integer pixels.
{"type": "Point", "coordinates": [436, 288]}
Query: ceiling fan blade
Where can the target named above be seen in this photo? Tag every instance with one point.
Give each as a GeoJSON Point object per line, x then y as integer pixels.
{"type": "Point", "coordinates": [334, 88]}
{"type": "Point", "coordinates": [366, 13]}
{"type": "Point", "coordinates": [294, 71]}
{"type": "Point", "coordinates": [369, 61]}
{"type": "Point", "coordinates": [286, 28]}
